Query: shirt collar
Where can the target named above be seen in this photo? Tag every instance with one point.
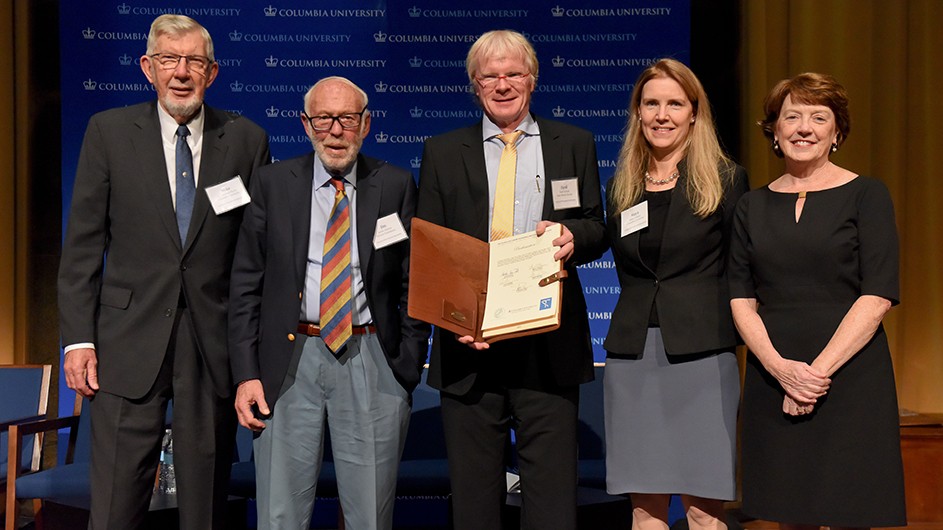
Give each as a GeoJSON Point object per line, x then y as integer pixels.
{"type": "Point", "coordinates": [168, 125]}
{"type": "Point", "coordinates": [322, 177]}
{"type": "Point", "coordinates": [489, 130]}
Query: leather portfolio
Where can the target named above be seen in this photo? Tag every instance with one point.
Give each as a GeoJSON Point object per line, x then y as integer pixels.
{"type": "Point", "coordinates": [451, 275]}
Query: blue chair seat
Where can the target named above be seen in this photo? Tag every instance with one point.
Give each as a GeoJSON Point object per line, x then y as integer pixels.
{"type": "Point", "coordinates": [592, 473]}
{"type": "Point", "coordinates": [61, 482]}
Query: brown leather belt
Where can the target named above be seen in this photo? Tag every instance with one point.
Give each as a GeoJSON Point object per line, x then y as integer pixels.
{"type": "Point", "coordinates": [313, 330]}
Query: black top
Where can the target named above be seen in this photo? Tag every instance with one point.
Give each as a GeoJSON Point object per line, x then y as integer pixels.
{"type": "Point", "coordinates": [649, 244]}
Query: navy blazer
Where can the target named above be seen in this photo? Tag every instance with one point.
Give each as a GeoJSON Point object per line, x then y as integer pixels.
{"type": "Point", "coordinates": [453, 192]}
{"type": "Point", "coordinates": [268, 272]}
{"type": "Point", "coordinates": [690, 292]}
{"type": "Point", "coordinates": [123, 268]}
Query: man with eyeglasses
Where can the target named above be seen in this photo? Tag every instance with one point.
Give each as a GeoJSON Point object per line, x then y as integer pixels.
{"type": "Point", "coordinates": [318, 329]}
{"type": "Point", "coordinates": [530, 384]}
{"type": "Point", "coordinates": [144, 283]}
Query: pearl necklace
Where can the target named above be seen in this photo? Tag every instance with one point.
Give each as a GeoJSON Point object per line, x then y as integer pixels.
{"type": "Point", "coordinates": [661, 181]}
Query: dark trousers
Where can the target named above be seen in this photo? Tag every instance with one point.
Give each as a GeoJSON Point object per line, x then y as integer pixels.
{"type": "Point", "coordinates": [476, 434]}
{"type": "Point", "coordinates": [127, 434]}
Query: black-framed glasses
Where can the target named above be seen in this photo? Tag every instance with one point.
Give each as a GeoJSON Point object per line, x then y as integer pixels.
{"type": "Point", "coordinates": [195, 63]}
{"type": "Point", "coordinates": [488, 81]}
{"type": "Point", "coordinates": [323, 122]}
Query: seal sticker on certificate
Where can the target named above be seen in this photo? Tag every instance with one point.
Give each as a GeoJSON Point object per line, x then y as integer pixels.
{"type": "Point", "coordinates": [491, 291]}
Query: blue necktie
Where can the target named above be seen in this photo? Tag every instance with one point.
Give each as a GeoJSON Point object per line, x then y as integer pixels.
{"type": "Point", "coordinates": [186, 186]}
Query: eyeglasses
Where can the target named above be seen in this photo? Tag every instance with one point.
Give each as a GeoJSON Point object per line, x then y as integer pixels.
{"type": "Point", "coordinates": [195, 63]}
{"type": "Point", "coordinates": [488, 81]}
{"type": "Point", "coordinates": [323, 122]}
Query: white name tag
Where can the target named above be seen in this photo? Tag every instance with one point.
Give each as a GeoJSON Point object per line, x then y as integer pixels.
{"type": "Point", "coordinates": [228, 195]}
{"type": "Point", "coordinates": [389, 231]}
{"type": "Point", "coordinates": [566, 193]}
{"type": "Point", "coordinates": [635, 218]}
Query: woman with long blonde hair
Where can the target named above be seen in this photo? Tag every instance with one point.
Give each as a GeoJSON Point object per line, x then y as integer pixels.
{"type": "Point", "coordinates": [671, 380]}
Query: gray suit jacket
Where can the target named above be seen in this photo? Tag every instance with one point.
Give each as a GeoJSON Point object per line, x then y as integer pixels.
{"type": "Point", "coordinates": [123, 268]}
{"type": "Point", "coordinates": [269, 270]}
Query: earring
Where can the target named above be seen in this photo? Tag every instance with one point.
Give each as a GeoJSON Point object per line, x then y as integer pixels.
{"type": "Point", "coordinates": [775, 146]}
{"type": "Point", "coordinates": [835, 147]}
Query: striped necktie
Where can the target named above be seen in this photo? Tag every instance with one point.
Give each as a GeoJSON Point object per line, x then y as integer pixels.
{"type": "Point", "coordinates": [502, 219]}
{"type": "Point", "coordinates": [186, 187]}
{"type": "Point", "coordinates": [335, 274]}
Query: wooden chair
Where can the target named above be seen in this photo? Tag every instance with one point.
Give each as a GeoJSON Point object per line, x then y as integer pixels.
{"type": "Point", "coordinates": [25, 398]}
{"type": "Point", "coordinates": [67, 480]}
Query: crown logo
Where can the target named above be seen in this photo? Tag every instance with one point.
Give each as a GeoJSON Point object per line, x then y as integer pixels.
{"type": "Point", "coordinates": [558, 112]}
{"type": "Point", "coordinates": [236, 86]}
{"type": "Point", "coordinates": [415, 62]}
{"type": "Point", "coordinates": [271, 61]}
{"type": "Point", "coordinates": [271, 112]}
{"type": "Point", "coordinates": [414, 11]}
{"type": "Point", "coordinates": [415, 162]}
{"type": "Point", "coordinates": [270, 11]}
{"type": "Point", "coordinates": [88, 33]}
{"type": "Point", "coordinates": [557, 61]}
{"type": "Point", "coordinates": [89, 84]}
{"type": "Point", "coordinates": [379, 36]}
{"type": "Point", "coordinates": [381, 137]}
{"type": "Point", "coordinates": [380, 87]}
{"type": "Point", "coordinates": [235, 35]}
{"type": "Point", "coordinates": [124, 9]}
{"type": "Point", "coordinates": [125, 60]}
{"type": "Point", "coordinates": [556, 11]}
{"type": "Point", "coordinates": [415, 112]}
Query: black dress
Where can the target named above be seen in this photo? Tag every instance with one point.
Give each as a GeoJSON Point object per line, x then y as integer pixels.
{"type": "Point", "coordinates": [840, 465]}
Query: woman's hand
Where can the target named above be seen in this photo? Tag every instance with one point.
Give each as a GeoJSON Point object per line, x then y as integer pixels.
{"type": "Point", "coordinates": [792, 408]}
{"type": "Point", "coordinates": [803, 383]}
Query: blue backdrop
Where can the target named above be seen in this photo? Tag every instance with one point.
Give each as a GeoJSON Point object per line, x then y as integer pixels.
{"type": "Point", "coordinates": [408, 55]}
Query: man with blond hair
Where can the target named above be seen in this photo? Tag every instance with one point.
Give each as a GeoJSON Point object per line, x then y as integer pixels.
{"type": "Point", "coordinates": [530, 384]}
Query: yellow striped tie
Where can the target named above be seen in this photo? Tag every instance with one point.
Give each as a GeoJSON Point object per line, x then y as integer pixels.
{"type": "Point", "coordinates": [502, 220]}
{"type": "Point", "coordinates": [335, 274]}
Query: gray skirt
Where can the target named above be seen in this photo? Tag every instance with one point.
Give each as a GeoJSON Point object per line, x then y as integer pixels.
{"type": "Point", "coordinates": [671, 426]}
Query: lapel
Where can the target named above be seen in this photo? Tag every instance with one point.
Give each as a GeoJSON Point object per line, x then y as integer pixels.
{"type": "Point", "coordinates": [149, 150]}
{"type": "Point", "coordinates": [369, 193]}
{"type": "Point", "coordinates": [549, 146]}
{"type": "Point", "coordinates": [476, 175]}
{"type": "Point", "coordinates": [298, 191]}
{"type": "Point", "coordinates": [211, 165]}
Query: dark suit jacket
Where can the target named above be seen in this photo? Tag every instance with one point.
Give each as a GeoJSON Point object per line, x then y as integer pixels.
{"type": "Point", "coordinates": [269, 270]}
{"type": "Point", "coordinates": [690, 292]}
{"type": "Point", "coordinates": [123, 268]}
{"type": "Point", "coordinates": [453, 192]}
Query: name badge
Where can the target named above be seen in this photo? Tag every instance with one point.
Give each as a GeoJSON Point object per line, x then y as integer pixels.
{"type": "Point", "coordinates": [389, 231]}
{"type": "Point", "coordinates": [566, 193]}
{"type": "Point", "coordinates": [635, 218]}
{"type": "Point", "coordinates": [228, 195]}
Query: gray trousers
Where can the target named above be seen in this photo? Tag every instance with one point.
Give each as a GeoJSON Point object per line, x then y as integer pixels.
{"type": "Point", "coordinates": [368, 414]}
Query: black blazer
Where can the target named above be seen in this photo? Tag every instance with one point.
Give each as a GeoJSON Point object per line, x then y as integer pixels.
{"type": "Point", "coordinates": [453, 192]}
{"type": "Point", "coordinates": [126, 302]}
{"type": "Point", "coordinates": [268, 272]}
{"type": "Point", "coordinates": [690, 292]}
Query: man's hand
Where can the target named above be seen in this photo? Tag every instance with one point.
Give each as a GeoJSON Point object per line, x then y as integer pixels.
{"type": "Point", "coordinates": [81, 371]}
{"type": "Point", "coordinates": [469, 341]}
{"type": "Point", "coordinates": [565, 241]}
{"type": "Point", "coordinates": [250, 393]}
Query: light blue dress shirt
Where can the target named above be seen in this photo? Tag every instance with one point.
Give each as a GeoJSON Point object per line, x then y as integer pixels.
{"type": "Point", "coordinates": [322, 201]}
{"type": "Point", "coordinates": [530, 185]}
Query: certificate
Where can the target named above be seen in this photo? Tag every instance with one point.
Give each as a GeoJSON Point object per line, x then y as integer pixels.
{"type": "Point", "coordinates": [491, 291]}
